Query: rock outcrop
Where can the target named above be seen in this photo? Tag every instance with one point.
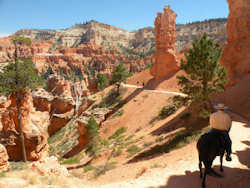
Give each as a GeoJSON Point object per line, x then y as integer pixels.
{"type": "Point", "coordinates": [4, 164]}
{"type": "Point", "coordinates": [49, 166]}
{"type": "Point", "coordinates": [236, 53]}
{"type": "Point", "coordinates": [165, 57]}
{"type": "Point", "coordinates": [34, 123]}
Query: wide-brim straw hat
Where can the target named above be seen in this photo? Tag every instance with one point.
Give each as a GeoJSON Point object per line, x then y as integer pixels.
{"type": "Point", "coordinates": [220, 106]}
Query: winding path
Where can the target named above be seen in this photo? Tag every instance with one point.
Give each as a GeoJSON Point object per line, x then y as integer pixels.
{"type": "Point", "coordinates": [154, 90]}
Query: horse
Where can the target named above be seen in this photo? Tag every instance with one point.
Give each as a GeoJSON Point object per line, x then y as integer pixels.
{"type": "Point", "coordinates": [210, 145]}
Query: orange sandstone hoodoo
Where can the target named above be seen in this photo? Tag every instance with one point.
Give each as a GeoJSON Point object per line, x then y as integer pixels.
{"type": "Point", "coordinates": [165, 57]}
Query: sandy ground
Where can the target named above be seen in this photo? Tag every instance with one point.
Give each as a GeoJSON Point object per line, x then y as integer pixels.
{"type": "Point", "coordinates": [182, 166]}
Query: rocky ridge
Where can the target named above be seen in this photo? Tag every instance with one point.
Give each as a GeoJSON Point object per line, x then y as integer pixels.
{"type": "Point", "coordinates": [111, 37]}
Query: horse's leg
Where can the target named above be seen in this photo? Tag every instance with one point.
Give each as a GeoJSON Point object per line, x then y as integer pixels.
{"type": "Point", "coordinates": [204, 179]}
{"type": "Point", "coordinates": [200, 167]}
{"type": "Point", "coordinates": [221, 162]}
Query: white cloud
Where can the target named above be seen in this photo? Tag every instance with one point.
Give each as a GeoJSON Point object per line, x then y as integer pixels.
{"type": "Point", "coordinates": [4, 34]}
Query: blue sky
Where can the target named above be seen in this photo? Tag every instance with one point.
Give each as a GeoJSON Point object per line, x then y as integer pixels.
{"type": "Point", "coordinates": [126, 14]}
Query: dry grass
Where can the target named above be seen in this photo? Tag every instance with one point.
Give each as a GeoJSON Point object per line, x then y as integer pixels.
{"type": "Point", "coordinates": [33, 178]}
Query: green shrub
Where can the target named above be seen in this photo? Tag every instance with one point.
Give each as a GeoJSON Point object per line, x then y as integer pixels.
{"type": "Point", "coordinates": [88, 168]}
{"type": "Point", "coordinates": [18, 166]}
{"type": "Point", "coordinates": [167, 111]}
{"type": "Point", "coordinates": [118, 132]}
{"type": "Point", "coordinates": [71, 160]}
{"type": "Point", "coordinates": [2, 174]}
{"type": "Point", "coordinates": [146, 144]}
{"type": "Point", "coordinates": [94, 145]}
{"type": "Point", "coordinates": [132, 150]}
{"type": "Point", "coordinates": [159, 139]}
{"type": "Point", "coordinates": [185, 115]}
{"type": "Point", "coordinates": [104, 168]}
{"type": "Point", "coordinates": [117, 152]}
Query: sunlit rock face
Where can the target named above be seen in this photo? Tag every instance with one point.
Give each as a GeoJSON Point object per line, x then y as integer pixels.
{"type": "Point", "coordinates": [4, 164]}
{"type": "Point", "coordinates": [34, 127]}
{"type": "Point", "coordinates": [236, 53]}
{"type": "Point", "coordinates": [165, 57]}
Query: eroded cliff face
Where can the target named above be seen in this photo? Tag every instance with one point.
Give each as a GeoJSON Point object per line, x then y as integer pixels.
{"type": "Point", "coordinates": [89, 58]}
{"type": "Point", "coordinates": [236, 53]}
{"type": "Point", "coordinates": [165, 57]}
{"type": "Point", "coordinates": [34, 123]}
{"type": "Point", "coordinates": [110, 37]}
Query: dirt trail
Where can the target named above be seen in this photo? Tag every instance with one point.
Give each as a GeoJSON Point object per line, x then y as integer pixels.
{"type": "Point", "coordinates": [155, 90]}
{"type": "Point", "coordinates": [182, 166]}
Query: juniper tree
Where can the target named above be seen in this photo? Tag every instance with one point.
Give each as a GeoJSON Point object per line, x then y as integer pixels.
{"type": "Point", "coordinates": [17, 78]}
{"type": "Point", "coordinates": [102, 81]}
{"type": "Point", "coordinates": [93, 146]}
{"type": "Point", "coordinates": [119, 75]}
{"type": "Point", "coordinates": [204, 76]}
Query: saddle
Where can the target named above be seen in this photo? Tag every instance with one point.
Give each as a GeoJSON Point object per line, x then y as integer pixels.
{"type": "Point", "coordinates": [216, 138]}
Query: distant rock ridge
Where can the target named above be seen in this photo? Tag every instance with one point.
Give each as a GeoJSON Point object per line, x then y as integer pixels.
{"type": "Point", "coordinates": [141, 40]}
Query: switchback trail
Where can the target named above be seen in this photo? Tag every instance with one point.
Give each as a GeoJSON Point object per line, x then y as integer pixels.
{"type": "Point", "coordinates": [154, 90]}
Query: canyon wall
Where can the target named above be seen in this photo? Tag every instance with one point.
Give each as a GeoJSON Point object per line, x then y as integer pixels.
{"type": "Point", "coordinates": [236, 52]}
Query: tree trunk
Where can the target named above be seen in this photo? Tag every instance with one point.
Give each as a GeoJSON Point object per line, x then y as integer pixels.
{"type": "Point", "coordinates": [18, 103]}
{"type": "Point", "coordinates": [78, 97]}
{"type": "Point", "coordinates": [19, 116]}
{"type": "Point", "coordinates": [118, 88]}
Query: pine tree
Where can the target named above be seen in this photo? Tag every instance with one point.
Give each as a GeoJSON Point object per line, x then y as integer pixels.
{"type": "Point", "coordinates": [102, 81]}
{"type": "Point", "coordinates": [119, 75]}
{"type": "Point", "coordinates": [93, 146]}
{"type": "Point", "coordinates": [17, 78]}
{"type": "Point", "coordinates": [204, 75]}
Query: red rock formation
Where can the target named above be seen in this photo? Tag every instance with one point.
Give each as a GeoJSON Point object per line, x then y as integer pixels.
{"type": "Point", "coordinates": [61, 105]}
{"type": "Point", "coordinates": [35, 125]}
{"type": "Point", "coordinates": [99, 115]}
{"type": "Point", "coordinates": [165, 57]}
{"type": "Point", "coordinates": [236, 53]}
{"type": "Point", "coordinates": [4, 164]}
{"type": "Point", "coordinates": [60, 108]}
{"type": "Point", "coordinates": [81, 57]}
{"type": "Point", "coordinates": [7, 49]}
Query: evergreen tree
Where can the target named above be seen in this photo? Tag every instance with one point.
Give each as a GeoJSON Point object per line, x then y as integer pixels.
{"type": "Point", "coordinates": [204, 75]}
{"type": "Point", "coordinates": [26, 78]}
{"type": "Point", "coordinates": [46, 74]}
{"type": "Point", "coordinates": [94, 144]}
{"type": "Point", "coordinates": [18, 77]}
{"type": "Point", "coordinates": [119, 75]}
{"type": "Point", "coordinates": [102, 81]}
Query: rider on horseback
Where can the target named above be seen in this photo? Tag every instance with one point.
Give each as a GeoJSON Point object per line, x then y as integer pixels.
{"type": "Point", "coordinates": [221, 122]}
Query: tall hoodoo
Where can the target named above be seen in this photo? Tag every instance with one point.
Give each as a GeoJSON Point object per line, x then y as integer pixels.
{"type": "Point", "coordinates": [236, 53]}
{"type": "Point", "coordinates": [165, 58]}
